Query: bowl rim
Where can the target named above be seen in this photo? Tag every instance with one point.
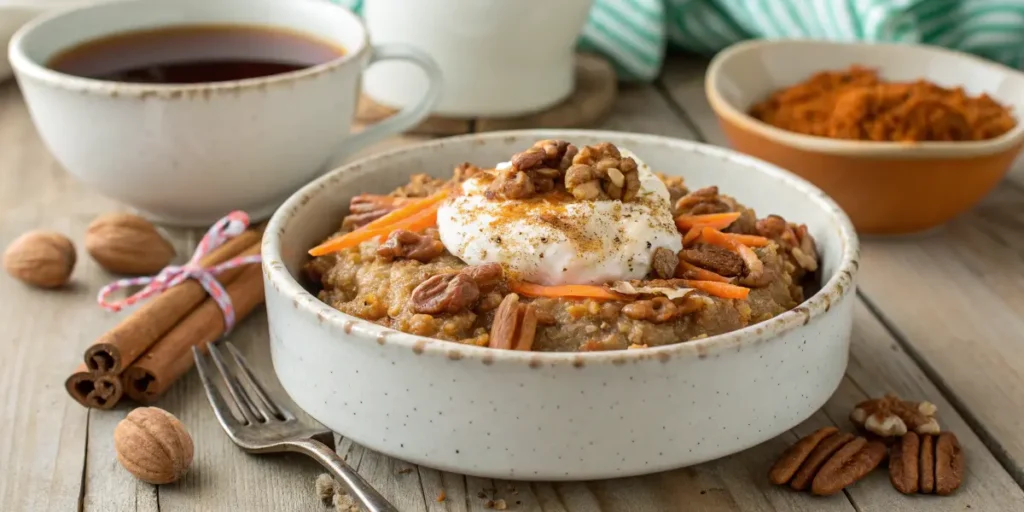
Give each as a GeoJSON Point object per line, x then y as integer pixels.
{"type": "Point", "coordinates": [928, 149]}
{"type": "Point", "coordinates": [838, 287]}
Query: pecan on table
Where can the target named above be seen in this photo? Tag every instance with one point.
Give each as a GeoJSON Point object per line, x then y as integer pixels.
{"type": "Point", "coordinates": [889, 416]}
{"type": "Point", "coordinates": [664, 263]}
{"type": "Point", "coordinates": [827, 461]}
{"type": "Point", "coordinates": [927, 464]}
{"type": "Point", "coordinates": [600, 172]}
{"type": "Point", "coordinates": [414, 246]}
{"type": "Point", "coordinates": [515, 325]}
{"type": "Point", "coordinates": [533, 171]}
{"type": "Point", "coordinates": [454, 292]}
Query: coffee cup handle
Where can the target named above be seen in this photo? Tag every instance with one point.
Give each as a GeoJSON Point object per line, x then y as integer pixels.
{"type": "Point", "coordinates": [408, 116]}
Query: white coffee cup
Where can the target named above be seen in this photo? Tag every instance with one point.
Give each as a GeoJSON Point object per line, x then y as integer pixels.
{"type": "Point", "coordinates": [188, 154]}
{"type": "Point", "coordinates": [499, 57]}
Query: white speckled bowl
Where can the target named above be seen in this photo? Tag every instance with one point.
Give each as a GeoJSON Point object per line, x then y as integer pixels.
{"type": "Point", "coordinates": [557, 416]}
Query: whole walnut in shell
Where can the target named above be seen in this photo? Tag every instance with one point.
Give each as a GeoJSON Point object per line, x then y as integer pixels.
{"type": "Point", "coordinates": [41, 258]}
{"type": "Point", "coordinates": [153, 445]}
{"type": "Point", "coordinates": [127, 244]}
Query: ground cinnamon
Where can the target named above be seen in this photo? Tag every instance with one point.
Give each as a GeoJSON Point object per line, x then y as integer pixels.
{"type": "Point", "coordinates": [856, 104]}
{"type": "Point", "coordinates": [149, 377]}
{"type": "Point", "coordinates": [99, 390]}
{"type": "Point", "coordinates": [116, 349]}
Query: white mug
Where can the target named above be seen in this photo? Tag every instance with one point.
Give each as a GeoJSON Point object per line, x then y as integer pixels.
{"type": "Point", "coordinates": [499, 57]}
{"type": "Point", "coordinates": [187, 154]}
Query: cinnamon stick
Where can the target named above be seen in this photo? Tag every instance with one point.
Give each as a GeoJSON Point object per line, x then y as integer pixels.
{"type": "Point", "coordinates": [116, 349]}
{"type": "Point", "coordinates": [99, 390]}
{"type": "Point", "coordinates": [149, 377]}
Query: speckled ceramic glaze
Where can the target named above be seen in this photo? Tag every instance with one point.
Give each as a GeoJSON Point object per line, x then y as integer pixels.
{"type": "Point", "coordinates": [557, 416]}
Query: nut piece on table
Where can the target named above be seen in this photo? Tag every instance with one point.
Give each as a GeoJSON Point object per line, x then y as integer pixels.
{"type": "Point", "coordinates": [153, 445]}
{"type": "Point", "coordinates": [926, 464]}
{"type": "Point", "coordinates": [40, 258]}
{"type": "Point", "coordinates": [827, 461]}
{"type": "Point", "coordinates": [889, 416]}
{"type": "Point", "coordinates": [127, 244]}
{"type": "Point", "coordinates": [600, 172]}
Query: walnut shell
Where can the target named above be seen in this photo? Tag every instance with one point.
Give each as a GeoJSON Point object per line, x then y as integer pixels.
{"type": "Point", "coordinates": [41, 258]}
{"type": "Point", "coordinates": [127, 244]}
{"type": "Point", "coordinates": [153, 445]}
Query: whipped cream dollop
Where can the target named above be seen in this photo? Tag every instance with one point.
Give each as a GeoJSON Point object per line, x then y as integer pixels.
{"type": "Point", "coordinates": [553, 240]}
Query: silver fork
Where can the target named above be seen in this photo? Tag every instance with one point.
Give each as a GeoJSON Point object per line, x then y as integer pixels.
{"type": "Point", "coordinates": [267, 427]}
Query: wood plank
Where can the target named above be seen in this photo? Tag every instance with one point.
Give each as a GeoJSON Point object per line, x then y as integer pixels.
{"type": "Point", "coordinates": [642, 109]}
{"type": "Point", "coordinates": [42, 430]}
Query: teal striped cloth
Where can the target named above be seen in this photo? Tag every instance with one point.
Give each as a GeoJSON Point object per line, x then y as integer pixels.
{"type": "Point", "coordinates": [634, 34]}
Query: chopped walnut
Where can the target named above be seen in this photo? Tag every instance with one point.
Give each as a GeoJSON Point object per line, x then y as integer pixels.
{"type": "Point", "coordinates": [794, 239]}
{"type": "Point", "coordinates": [600, 172]}
{"type": "Point", "coordinates": [714, 258]}
{"type": "Point", "coordinates": [806, 253]}
{"type": "Point", "coordinates": [515, 325]}
{"type": "Point", "coordinates": [657, 310]}
{"type": "Point", "coordinates": [889, 416]}
{"type": "Point", "coordinates": [406, 244]}
{"type": "Point", "coordinates": [465, 171]}
{"type": "Point", "coordinates": [455, 292]}
{"type": "Point", "coordinates": [533, 171]}
{"type": "Point", "coordinates": [664, 263]}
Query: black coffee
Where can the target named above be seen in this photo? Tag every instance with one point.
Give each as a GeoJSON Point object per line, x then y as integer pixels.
{"type": "Point", "coordinates": [194, 53]}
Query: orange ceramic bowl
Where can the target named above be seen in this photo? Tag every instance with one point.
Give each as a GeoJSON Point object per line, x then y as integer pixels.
{"type": "Point", "coordinates": [885, 187]}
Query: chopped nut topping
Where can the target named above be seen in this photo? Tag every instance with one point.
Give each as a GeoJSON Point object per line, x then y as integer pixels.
{"type": "Point", "coordinates": [657, 310]}
{"type": "Point", "coordinates": [716, 259]}
{"type": "Point", "coordinates": [533, 171]}
{"type": "Point", "coordinates": [664, 263]}
{"type": "Point", "coordinates": [701, 201]}
{"type": "Point", "coordinates": [600, 172]}
{"type": "Point", "coordinates": [889, 416]}
{"type": "Point", "coordinates": [406, 244]}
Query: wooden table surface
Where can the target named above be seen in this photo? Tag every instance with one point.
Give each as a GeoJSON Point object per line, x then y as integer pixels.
{"type": "Point", "coordinates": [940, 317]}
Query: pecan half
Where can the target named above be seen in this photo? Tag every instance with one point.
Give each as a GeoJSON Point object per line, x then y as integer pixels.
{"type": "Point", "coordinates": [904, 466]}
{"type": "Point", "coordinates": [455, 292]}
{"type": "Point", "coordinates": [889, 416]}
{"type": "Point", "coordinates": [600, 172]}
{"type": "Point", "coordinates": [444, 293]}
{"type": "Point", "coordinates": [533, 171]}
{"type": "Point", "coordinates": [664, 263]}
{"type": "Point", "coordinates": [827, 460]}
{"type": "Point", "coordinates": [406, 244]}
{"type": "Point", "coordinates": [515, 325]}
{"type": "Point", "coordinates": [851, 463]}
{"type": "Point", "coordinates": [927, 464]}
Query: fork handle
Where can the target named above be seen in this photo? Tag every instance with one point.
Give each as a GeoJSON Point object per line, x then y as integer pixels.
{"type": "Point", "coordinates": [367, 495]}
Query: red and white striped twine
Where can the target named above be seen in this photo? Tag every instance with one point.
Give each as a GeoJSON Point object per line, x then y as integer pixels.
{"type": "Point", "coordinates": [224, 229]}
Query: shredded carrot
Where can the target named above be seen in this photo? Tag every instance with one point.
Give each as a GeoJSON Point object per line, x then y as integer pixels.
{"type": "Point", "coordinates": [715, 220]}
{"type": "Point", "coordinates": [388, 223]}
{"type": "Point", "coordinates": [692, 235]}
{"type": "Point", "coordinates": [723, 290]}
{"type": "Point", "coordinates": [713, 236]}
{"type": "Point", "coordinates": [417, 222]}
{"type": "Point", "coordinates": [410, 209]}
{"type": "Point", "coordinates": [749, 240]}
{"type": "Point", "coordinates": [702, 273]}
{"type": "Point", "coordinates": [568, 290]}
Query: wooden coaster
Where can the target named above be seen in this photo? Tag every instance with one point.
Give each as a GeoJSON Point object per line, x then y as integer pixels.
{"type": "Point", "coordinates": [589, 103]}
